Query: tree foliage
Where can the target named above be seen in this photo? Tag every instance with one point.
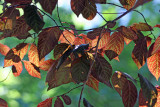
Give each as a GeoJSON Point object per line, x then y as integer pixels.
{"type": "Point", "coordinates": [80, 58]}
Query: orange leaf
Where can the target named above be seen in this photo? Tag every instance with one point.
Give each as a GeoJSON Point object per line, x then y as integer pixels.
{"type": "Point", "coordinates": [4, 49]}
{"type": "Point", "coordinates": [3, 103]}
{"type": "Point", "coordinates": [46, 103]}
{"type": "Point", "coordinates": [17, 69]}
{"type": "Point", "coordinates": [47, 40]}
{"type": "Point", "coordinates": [22, 49]}
{"type": "Point", "coordinates": [93, 82]}
{"type": "Point", "coordinates": [127, 4]}
{"type": "Point", "coordinates": [33, 55]}
{"type": "Point", "coordinates": [67, 36]}
{"type": "Point", "coordinates": [142, 26]}
{"type": "Point", "coordinates": [32, 69]}
{"type": "Point", "coordinates": [127, 41]}
{"type": "Point", "coordinates": [79, 41]}
{"type": "Point", "coordinates": [45, 65]}
{"type": "Point", "coordinates": [156, 46]}
{"type": "Point", "coordinates": [153, 63]}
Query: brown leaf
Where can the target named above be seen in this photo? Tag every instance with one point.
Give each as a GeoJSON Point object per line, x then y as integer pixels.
{"type": "Point", "coordinates": [48, 5]}
{"type": "Point", "coordinates": [142, 26]}
{"type": "Point", "coordinates": [142, 101]}
{"type": "Point", "coordinates": [100, 1]}
{"type": "Point", "coordinates": [127, 4]}
{"type": "Point", "coordinates": [47, 40]}
{"type": "Point", "coordinates": [66, 99]}
{"type": "Point", "coordinates": [16, 2]}
{"type": "Point", "coordinates": [3, 103]}
{"type": "Point", "coordinates": [17, 69]}
{"type": "Point", "coordinates": [93, 83]}
{"type": "Point", "coordinates": [58, 103]}
{"type": "Point", "coordinates": [46, 103]}
{"type": "Point", "coordinates": [79, 41]}
{"type": "Point", "coordinates": [111, 54]}
{"type": "Point", "coordinates": [45, 65]}
{"type": "Point", "coordinates": [4, 49]}
{"type": "Point", "coordinates": [77, 6]}
{"type": "Point", "coordinates": [148, 39]}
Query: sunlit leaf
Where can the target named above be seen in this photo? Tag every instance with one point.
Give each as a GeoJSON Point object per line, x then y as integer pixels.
{"type": "Point", "coordinates": [86, 103]}
{"type": "Point", "coordinates": [127, 41]}
{"type": "Point", "coordinates": [79, 41]}
{"type": "Point", "coordinates": [77, 6]}
{"type": "Point", "coordinates": [46, 103]}
{"type": "Point", "coordinates": [93, 82]}
{"type": "Point", "coordinates": [156, 47]}
{"type": "Point", "coordinates": [47, 40]}
{"type": "Point", "coordinates": [58, 103]}
{"type": "Point", "coordinates": [148, 90]}
{"type": "Point", "coordinates": [90, 10]}
{"type": "Point", "coordinates": [3, 103]}
{"type": "Point", "coordinates": [142, 26]}
{"type": "Point", "coordinates": [17, 69]}
{"type": "Point", "coordinates": [45, 65]}
{"type": "Point", "coordinates": [48, 5]}
{"type": "Point", "coordinates": [32, 69]}
{"type": "Point", "coordinates": [129, 94]}
{"type": "Point", "coordinates": [66, 99]}
{"type": "Point", "coordinates": [67, 37]}
{"type": "Point", "coordinates": [4, 49]}
{"type": "Point", "coordinates": [153, 63]}
{"type": "Point", "coordinates": [33, 55]}
{"type": "Point", "coordinates": [32, 18]}
{"type": "Point", "coordinates": [139, 53]}
{"type": "Point", "coordinates": [79, 69]}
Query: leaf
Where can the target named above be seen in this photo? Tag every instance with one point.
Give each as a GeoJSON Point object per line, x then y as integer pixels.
{"type": "Point", "coordinates": [153, 63]}
{"type": "Point", "coordinates": [45, 65]}
{"type": "Point", "coordinates": [110, 54]}
{"type": "Point", "coordinates": [67, 36]}
{"type": "Point", "coordinates": [32, 18]}
{"type": "Point", "coordinates": [142, 26]}
{"type": "Point", "coordinates": [79, 41]}
{"type": "Point", "coordinates": [139, 53]}
{"type": "Point", "coordinates": [33, 55]}
{"type": "Point", "coordinates": [48, 5]}
{"type": "Point", "coordinates": [60, 49]}
{"type": "Point", "coordinates": [90, 10]}
{"type": "Point", "coordinates": [86, 103]}
{"type": "Point", "coordinates": [58, 103]}
{"type": "Point", "coordinates": [17, 69]}
{"type": "Point", "coordinates": [47, 40]}
{"type": "Point", "coordinates": [115, 43]}
{"type": "Point", "coordinates": [93, 83]}
{"type": "Point", "coordinates": [32, 69]}
{"type": "Point", "coordinates": [4, 49]}
{"type": "Point", "coordinates": [102, 70]}
{"type": "Point", "coordinates": [129, 94]}
{"type": "Point", "coordinates": [127, 4]}
{"type": "Point", "coordinates": [66, 99]}
{"type": "Point", "coordinates": [127, 41]}
{"type": "Point", "coordinates": [140, 2]}
{"type": "Point", "coordinates": [59, 77]}
{"type": "Point", "coordinates": [3, 103]}
{"type": "Point", "coordinates": [156, 46]}
{"type": "Point", "coordinates": [46, 103]}
{"type": "Point", "coordinates": [77, 6]}
{"type": "Point", "coordinates": [158, 97]}
{"type": "Point", "coordinates": [118, 81]}
{"type": "Point", "coordinates": [20, 29]}
{"type": "Point", "coordinates": [148, 90]}
{"type": "Point", "coordinates": [16, 2]}
{"type": "Point", "coordinates": [100, 1]}
{"type": "Point", "coordinates": [22, 49]}
{"type": "Point", "coordinates": [6, 25]}
{"type": "Point", "coordinates": [157, 25]}
{"type": "Point", "coordinates": [148, 39]}
{"type": "Point", "coordinates": [127, 33]}
{"type": "Point", "coordinates": [142, 102]}
{"type": "Point", "coordinates": [79, 69]}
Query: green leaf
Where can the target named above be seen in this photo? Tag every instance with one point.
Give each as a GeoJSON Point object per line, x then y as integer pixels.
{"type": "Point", "coordinates": [32, 18]}
{"type": "Point", "coordinates": [86, 103]}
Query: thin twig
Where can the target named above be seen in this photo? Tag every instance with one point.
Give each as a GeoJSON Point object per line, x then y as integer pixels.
{"type": "Point", "coordinates": [6, 77]}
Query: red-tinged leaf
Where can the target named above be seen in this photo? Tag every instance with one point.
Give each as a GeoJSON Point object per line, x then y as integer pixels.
{"type": "Point", "coordinates": [66, 99]}
{"type": "Point", "coordinates": [22, 49]}
{"type": "Point", "coordinates": [140, 2]}
{"type": "Point", "coordinates": [20, 29]}
{"type": "Point", "coordinates": [45, 65]}
{"type": "Point", "coordinates": [100, 1]}
{"type": "Point", "coordinates": [16, 2]}
{"type": "Point", "coordinates": [156, 46]}
{"type": "Point", "coordinates": [33, 55]}
{"type": "Point", "coordinates": [32, 69]}
{"type": "Point", "coordinates": [129, 94]}
{"type": "Point", "coordinates": [47, 40]}
{"type": "Point", "coordinates": [90, 10]}
{"type": "Point", "coordinates": [142, 102]}
{"type": "Point", "coordinates": [127, 33]}
{"type": "Point", "coordinates": [148, 90]}
{"type": "Point", "coordinates": [46, 103]}
{"type": "Point", "coordinates": [4, 49]}
{"type": "Point", "coordinates": [59, 77]}
{"type": "Point", "coordinates": [77, 6]}
{"type": "Point", "coordinates": [32, 18]}
{"type": "Point", "coordinates": [102, 69]}
{"type": "Point", "coordinates": [142, 26]}
{"type": "Point", "coordinates": [127, 41]}
{"type": "Point", "coordinates": [93, 83]}
{"type": "Point", "coordinates": [153, 63]}
{"type": "Point", "coordinates": [111, 54]}
{"type": "Point", "coordinates": [87, 40]}
{"type": "Point", "coordinates": [139, 53]}
{"type": "Point", "coordinates": [60, 49]}
{"type": "Point", "coordinates": [79, 41]}
{"type": "Point", "coordinates": [115, 43]}
{"type": "Point", "coordinates": [67, 37]}
{"type": "Point", "coordinates": [148, 39]}
{"type": "Point", "coordinates": [17, 69]}
{"type": "Point", "coordinates": [127, 4]}
{"type": "Point", "coordinates": [118, 81]}
{"type": "Point", "coordinates": [79, 69]}
{"type": "Point", "coordinates": [58, 103]}
{"type": "Point", "coordinates": [48, 5]}
{"type": "Point", "coordinates": [157, 25]}
{"type": "Point", "coordinates": [3, 103]}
